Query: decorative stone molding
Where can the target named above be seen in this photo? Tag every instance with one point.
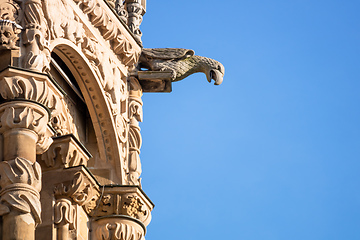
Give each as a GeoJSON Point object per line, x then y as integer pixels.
{"type": "Point", "coordinates": [136, 12]}
{"type": "Point", "coordinates": [133, 166]}
{"type": "Point", "coordinates": [125, 201]}
{"type": "Point", "coordinates": [65, 151]}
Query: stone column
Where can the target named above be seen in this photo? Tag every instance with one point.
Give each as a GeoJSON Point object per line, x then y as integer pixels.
{"type": "Point", "coordinates": [23, 125]}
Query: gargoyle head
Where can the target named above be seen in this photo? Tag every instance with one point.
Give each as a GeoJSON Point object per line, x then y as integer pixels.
{"type": "Point", "coordinates": [216, 72]}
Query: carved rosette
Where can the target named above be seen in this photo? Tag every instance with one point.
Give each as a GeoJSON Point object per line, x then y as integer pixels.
{"type": "Point", "coordinates": [20, 184]}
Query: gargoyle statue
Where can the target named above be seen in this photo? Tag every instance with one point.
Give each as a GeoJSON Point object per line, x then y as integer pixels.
{"type": "Point", "coordinates": [181, 62]}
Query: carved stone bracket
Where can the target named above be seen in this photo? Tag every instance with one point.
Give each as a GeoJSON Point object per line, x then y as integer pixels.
{"type": "Point", "coordinates": [66, 151]}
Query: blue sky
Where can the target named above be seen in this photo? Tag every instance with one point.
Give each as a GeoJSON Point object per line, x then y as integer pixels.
{"type": "Point", "coordinates": [274, 152]}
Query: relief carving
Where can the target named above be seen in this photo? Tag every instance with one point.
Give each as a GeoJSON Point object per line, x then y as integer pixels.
{"type": "Point", "coordinates": [26, 115]}
{"type": "Point", "coordinates": [81, 191]}
{"type": "Point", "coordinates": [20, 184]}
{"type": "Point", "coordinates": [9, 25]}
{"type": "Point", "coordinates": [9, 34]}
{"type": "Point", "coordinates": [66, 152]}
{"type": "Point", "coordinates": [135, 11]}
{"type": "Point", "coordinates": [127, 204]}
{"type": "Point", "coordinates": [37, 56]}
{"type": "Point", "coordinates": [133, 166]}
{"type": "Point", "coordinates": [40, 91]}
{"type": "Point", "coordinates": [118, 231]}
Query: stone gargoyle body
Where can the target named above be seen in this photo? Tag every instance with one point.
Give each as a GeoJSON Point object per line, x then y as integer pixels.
{"type": "Point", "coordinates": [181, 63]}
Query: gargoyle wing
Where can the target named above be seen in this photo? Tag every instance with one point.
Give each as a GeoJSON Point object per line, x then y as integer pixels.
{"type": "Point", "coordinates": [167, 53]}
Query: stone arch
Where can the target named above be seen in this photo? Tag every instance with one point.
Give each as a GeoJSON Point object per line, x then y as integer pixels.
{"type": "Point", "coordinates": [96, 102]}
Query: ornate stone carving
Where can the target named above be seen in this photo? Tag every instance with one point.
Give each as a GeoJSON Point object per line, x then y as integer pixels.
{"type": "Point", "coordinates": [126, 50]}
{"type": "Point", "coordinates": [64, 213]}
{"type": "Point", "coordinates": [41, 90]}
{"type": "Point", "coordinates": [66, 152]}
{"type": "Point", "coordinates": [10, 10]}
{"type": "Point", "coordinates": [9, 34]}
{"type": "Point", "coordinates": [135, 11]}
{"type": "Point", "coordinates": [134, 207]}
{"type": "Point", "coordinates": [62, 21]}
{"type": "Point", "coordinates": [126, 201]}
{"type": "Point", "coordinates": [20, 184]}
{"type": "Point", "coordinates": [81, 191]}
{"type": "Point", "coordinates": [181, 62]}
{"type": "Point", "coordinates": [121, 11]}
{"type": "Point", "coordinates": [26, 115]}
{"type": "Point", "coordinates": [133, 166]}
{"type": "Point", "coordinates": [116, 230]}
{"type": "Point", "coordinates": [37, 56]}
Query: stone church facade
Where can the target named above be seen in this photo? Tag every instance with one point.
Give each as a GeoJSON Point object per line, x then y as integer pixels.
{"type": "Point", "coordinates": [72, 73]}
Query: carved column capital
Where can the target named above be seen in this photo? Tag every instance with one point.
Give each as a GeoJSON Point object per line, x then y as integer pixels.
{"type": "Point", "coordinates": [82, 191]}
{"type": "Point", "coordinates": [26, 118]}
{"type": "Point", "coordinates": [129, 201]}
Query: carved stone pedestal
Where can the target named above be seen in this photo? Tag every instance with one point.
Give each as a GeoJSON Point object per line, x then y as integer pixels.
{"type": "Point", "coordinates": [23, 125]}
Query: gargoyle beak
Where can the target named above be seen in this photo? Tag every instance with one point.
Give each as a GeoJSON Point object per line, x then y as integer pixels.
{"type": "Point", "coordinates": [216, 75]}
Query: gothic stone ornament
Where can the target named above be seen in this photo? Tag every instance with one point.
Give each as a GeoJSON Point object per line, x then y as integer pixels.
{"type": "Point", "coordinates": [133, 165]}
{"type": "Point", "coordinates": [66, 152]}
{"type": "Point", "coordinates": [9, 34]}
{"type": "Point", "coordinates": [35, 39]}
{"type": "Point", "coordinates": [181, 62]}
{"type": "Point", "coordinates": [127, 201]}
{"type": "Point", "coordinates": [118, 228]}
{"type": "Point", "coordinates": [20, 186]}
{"type": "Point", "coordinates": [81, 190]}
{"type": "Point", "coordinates": [24, 116]}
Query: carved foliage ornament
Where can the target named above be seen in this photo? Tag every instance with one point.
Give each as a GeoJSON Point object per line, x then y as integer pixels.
{"type": "Point", "coordinates": [39, 90]}
{"type": "Point", "coordinates": [26, 115]}
{"type": "Point", "coordinates": [81, 191]}
{"type": "Point", "coordinates": [118, 231]}
{"type": "Point", "coordinates": [20, 184]}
